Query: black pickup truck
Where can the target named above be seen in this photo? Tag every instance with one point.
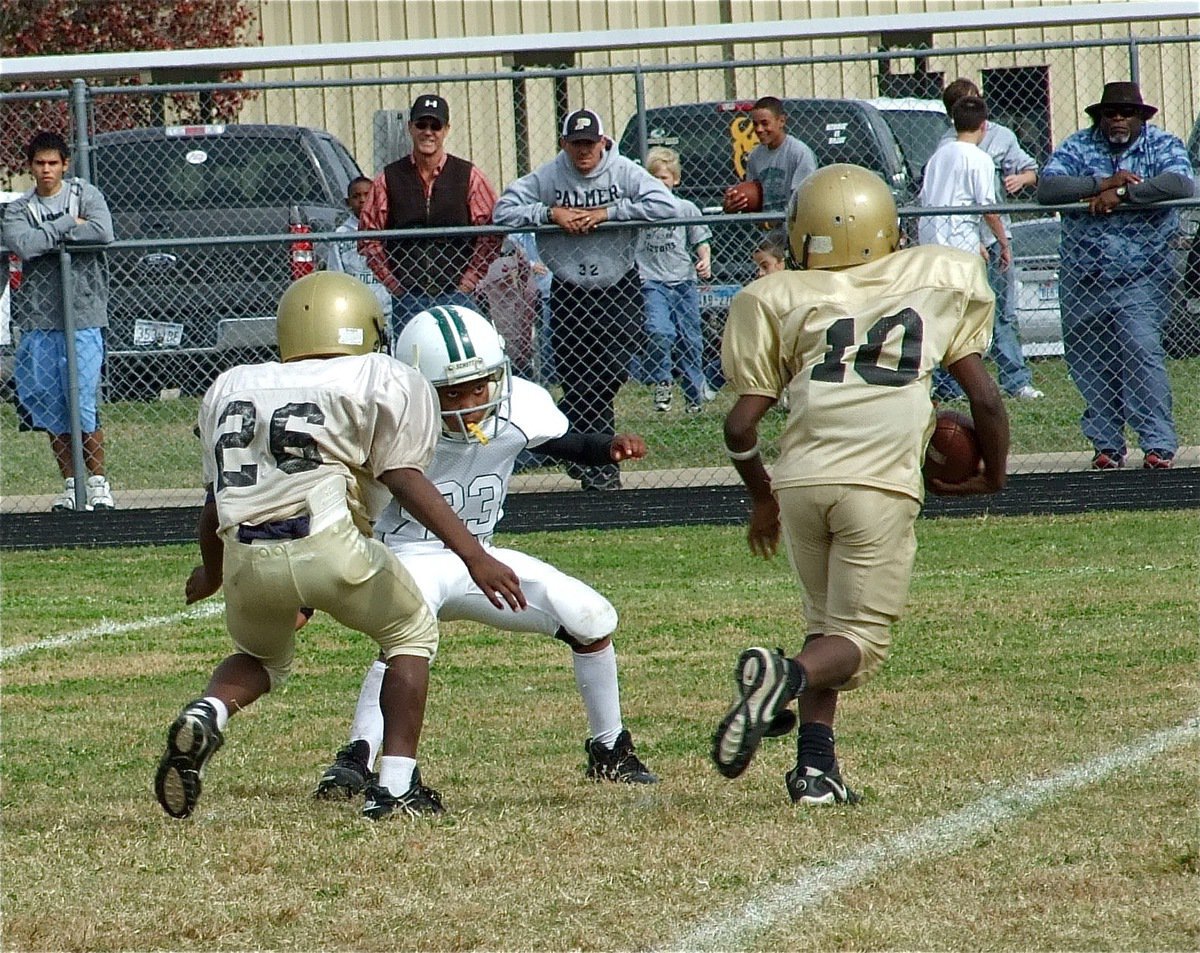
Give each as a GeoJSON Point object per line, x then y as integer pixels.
{"type": "Point", "coordinates": [181, 313]}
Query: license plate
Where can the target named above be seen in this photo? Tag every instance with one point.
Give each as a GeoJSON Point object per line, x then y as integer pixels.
{"type": "Point", "coordinates": [1047, 291]}
{"type": "Point", "coordinates": [717, 296]}
{"type": "Point", "coordinates": [157, 334]}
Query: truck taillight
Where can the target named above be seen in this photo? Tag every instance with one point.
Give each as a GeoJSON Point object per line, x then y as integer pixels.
{"type": "Point", "coordinates": [303, 260]}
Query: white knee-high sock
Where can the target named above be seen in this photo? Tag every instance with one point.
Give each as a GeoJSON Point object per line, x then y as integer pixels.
{"type": "Point", "coordinates": [596, 679]}
{"type": "Point", "coordinates": [368, 716]}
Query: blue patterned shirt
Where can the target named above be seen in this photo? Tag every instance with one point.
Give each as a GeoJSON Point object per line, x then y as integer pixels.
{"type": "Point", "coordinates": [1128, 243]}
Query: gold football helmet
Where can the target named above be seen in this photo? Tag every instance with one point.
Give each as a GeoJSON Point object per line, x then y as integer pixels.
{"type": "Point", "coordinates": [842, 215]}
{"type": "Point", "coordinates": [328, 314]}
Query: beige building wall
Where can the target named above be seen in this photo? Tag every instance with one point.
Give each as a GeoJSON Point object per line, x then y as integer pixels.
{"type": "Point", "coordinates": [482, 113]}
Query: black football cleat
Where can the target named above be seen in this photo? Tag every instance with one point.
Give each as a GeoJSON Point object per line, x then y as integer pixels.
{"type": "Point", "coordinates": [349, 774]}
{"type": "Point", "coordinates": [618, 763]}
{"type": "Point", "coordinates": [417, 801]}
{"type": "Point", "coordinates": [191, 741]}
{"type": "Point", "coordinates": [809, 785]}
{"type": "Point", "coordinates": [762, 681]}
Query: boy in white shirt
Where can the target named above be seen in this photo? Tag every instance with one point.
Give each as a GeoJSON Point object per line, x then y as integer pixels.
{"type": "Point", "coordinates": [1016, 169]}
{"type": "Point", "coordinates": [961, 173]}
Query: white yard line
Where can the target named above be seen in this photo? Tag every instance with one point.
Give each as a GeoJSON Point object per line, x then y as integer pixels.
{"type": "Point", "coordinates": [202, 611]}
{"type": "Point", "coordinates": [734, 929]}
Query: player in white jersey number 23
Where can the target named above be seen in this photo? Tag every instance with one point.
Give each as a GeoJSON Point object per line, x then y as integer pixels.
{"type": "Point", "coordinates": [488, 418]}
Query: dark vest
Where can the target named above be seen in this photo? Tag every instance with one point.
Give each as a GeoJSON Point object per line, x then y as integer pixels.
{"type": "Point", "coordinates": [434, 266]}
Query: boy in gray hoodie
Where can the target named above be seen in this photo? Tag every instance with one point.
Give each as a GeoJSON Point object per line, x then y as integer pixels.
{"type": "Point", "coordinates": [596, 301]}
{"type": "Point", "coordinates": [60, 211]}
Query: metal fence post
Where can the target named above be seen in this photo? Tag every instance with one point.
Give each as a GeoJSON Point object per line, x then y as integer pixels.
{"type": "Point", "coordinates": [521, 121]}
{"type": "Point", "coordinates": [83, 151]}
{"type": "Point", "coordinates": [639, 93]}
{"type": "Point", "coordinates": [78, 466]}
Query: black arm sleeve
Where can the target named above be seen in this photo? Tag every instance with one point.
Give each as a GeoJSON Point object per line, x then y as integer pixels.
{"type": "Point", "coordinates": [589, 449]}
{"type": "Point", "coordinates": [1061, 189]}
{"type": "Point", "coordinates": [1161, 188]}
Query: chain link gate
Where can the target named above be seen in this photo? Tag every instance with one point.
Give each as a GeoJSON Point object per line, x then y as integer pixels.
{"type": "Point", "coordinates": [213, 220]}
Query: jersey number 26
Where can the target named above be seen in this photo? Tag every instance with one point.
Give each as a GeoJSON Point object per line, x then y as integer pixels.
{"type": "Point", "coordinates": [294, 451]}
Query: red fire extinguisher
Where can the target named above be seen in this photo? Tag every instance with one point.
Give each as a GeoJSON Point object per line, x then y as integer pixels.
{"type": "Point", "coordinates": [303, 259]}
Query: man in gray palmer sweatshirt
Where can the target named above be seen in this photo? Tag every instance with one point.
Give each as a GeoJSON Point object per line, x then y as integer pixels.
{"type": "Point", "coordinates": [596, 301]}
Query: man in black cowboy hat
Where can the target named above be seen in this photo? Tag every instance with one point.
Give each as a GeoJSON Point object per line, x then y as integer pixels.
{"type": "Point", "coordinates": [1116, 275]}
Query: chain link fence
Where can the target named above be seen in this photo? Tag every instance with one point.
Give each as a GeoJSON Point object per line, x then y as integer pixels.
{"type": "Point", "coordinates": [213, 220]}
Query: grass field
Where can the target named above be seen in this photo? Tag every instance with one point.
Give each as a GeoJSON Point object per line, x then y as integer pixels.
{"type": "Point", "coordinates": [1028, 758]}
{"type": "Point", "coordinates": [151, 445]}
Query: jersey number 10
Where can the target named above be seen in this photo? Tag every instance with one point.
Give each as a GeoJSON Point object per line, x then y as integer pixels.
{"type": "Point", "coordinates": [840, 338]}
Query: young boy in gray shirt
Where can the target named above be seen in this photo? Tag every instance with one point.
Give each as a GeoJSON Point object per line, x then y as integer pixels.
{"type": "Point", "coordinates": [669, 258]}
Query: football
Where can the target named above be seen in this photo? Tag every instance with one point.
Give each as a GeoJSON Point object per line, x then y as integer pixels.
{"type": "Point", "coordinates": [744, 197]}
{"type": "Point", "coordinates": [953, 453]}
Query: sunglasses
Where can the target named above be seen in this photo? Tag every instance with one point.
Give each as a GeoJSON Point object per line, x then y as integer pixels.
{"type": "Point", "coordinates": [1121, 112]}
{"type": "Point", "coordinates": [426, 125]}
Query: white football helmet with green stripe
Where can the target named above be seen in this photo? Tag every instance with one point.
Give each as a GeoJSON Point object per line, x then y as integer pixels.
{"type": "Point", "coordinates": [454, 345]}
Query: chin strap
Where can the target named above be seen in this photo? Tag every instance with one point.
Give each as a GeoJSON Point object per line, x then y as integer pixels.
{"type": "Point", "coordinates": [801, 264]}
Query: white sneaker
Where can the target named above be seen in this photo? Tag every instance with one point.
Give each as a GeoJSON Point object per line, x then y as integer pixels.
{"type": "Point", "coordinates": [709, 392]}
{"type": "Point", "coordinates": [662, 396]}
{"type": "Point", "coordinates": [1028, 392]}
{"type": "Point", "coordinates": [65, 502]}
{"type": "Point", "coordinates": [99, 493]}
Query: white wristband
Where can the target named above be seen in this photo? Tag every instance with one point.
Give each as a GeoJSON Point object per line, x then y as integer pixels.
{"type": "Point", "coordinates": [742, 454]}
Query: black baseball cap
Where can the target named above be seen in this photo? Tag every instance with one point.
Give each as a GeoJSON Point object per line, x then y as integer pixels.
{"type": "Point", "coordinates": [430, 106]}
{"type": "Point", "coordinates": [582, 125]}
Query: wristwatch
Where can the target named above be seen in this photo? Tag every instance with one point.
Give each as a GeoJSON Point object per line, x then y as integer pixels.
{"type": "Point", "coordinates": [1122, 192]}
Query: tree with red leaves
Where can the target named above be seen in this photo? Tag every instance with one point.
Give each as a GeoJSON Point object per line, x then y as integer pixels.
{"type": "Point", "coordinates": [51, 27]}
